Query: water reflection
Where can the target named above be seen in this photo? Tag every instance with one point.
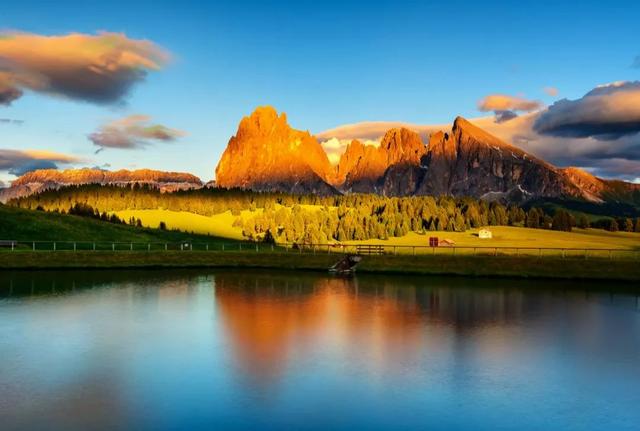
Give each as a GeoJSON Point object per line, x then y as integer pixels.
{"type": "Point", "coordinates": [196, 349]}
{"type": "Point", "coordinates": [271, 317]}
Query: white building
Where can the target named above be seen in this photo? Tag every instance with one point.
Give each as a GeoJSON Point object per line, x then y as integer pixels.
{"type": "Point", "coordinates": [485, 234]}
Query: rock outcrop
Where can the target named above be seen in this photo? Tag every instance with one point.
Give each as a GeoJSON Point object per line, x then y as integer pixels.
{"type": "Point", "coordinates": [464, 162]}
{"type": "Point", "coordinates": [600, 190]}
{"type": "Point", "coordinates": [45, 179]}
{"type": "Point", "coordinates": [471, 162]}
{"type": "Point", "coordinates": [369, 169]}
{"type": "Point", "coordinates": [266, 154]}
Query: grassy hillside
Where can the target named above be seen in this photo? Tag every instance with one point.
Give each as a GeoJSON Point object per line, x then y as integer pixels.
{"type": "Point", "coordinates": [220, 225]}
{"type": "Point", "coordinates": [27, 225]}
{"type": "Point", "coordinates": [503, 236]}
{"type": "Point", "coordinates": [508, 236]}
{"type": "Point", "coordinates": [217, 225]}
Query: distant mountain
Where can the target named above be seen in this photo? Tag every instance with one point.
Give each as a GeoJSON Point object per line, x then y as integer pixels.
{"type": "Point", "coordinates": [267, 154]}
{"type": "Point", "coordinates": [46, 179]}
{"type": "Point", "coordinates": [470, 161]}
{"type": "Point", "coordinates": [368, 169]}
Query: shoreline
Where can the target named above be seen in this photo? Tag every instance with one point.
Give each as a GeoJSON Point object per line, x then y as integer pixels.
{"type": "Point", "coordinates": [471, 266]}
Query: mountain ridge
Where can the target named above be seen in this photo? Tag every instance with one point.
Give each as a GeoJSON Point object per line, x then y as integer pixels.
{"type": "Point", "coordinates": [46, 179]}
{"type": "Point", "coordinates": [466, 160]}
{"type": "Point", "coordinates": [267, 154]}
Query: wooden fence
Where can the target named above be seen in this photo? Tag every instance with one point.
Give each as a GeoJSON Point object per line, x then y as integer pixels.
{"type": "Point", "coordinates": [378, 249]}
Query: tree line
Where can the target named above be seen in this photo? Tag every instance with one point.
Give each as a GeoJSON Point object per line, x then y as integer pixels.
{"type": "Point", "coordinates": [315, 219]}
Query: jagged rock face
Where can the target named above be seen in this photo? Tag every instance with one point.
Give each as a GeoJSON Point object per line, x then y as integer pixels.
{"type": "Point", "coordinates": [591, 186]}
{"type": "Point", "coordinates": [360, 168]}
{"type": "Point", "coordinates": [98, 176]}
{"type": "Point", "coordinates": [368, 169]}
{"type": "Point", "coordinates": [597, 189]}
{"type": "Point", "coordinates": [267, 154]}
{"type": "Point", "coordinates": [45, 179]}
{"type": "Point", "coordinates": [472, 162]}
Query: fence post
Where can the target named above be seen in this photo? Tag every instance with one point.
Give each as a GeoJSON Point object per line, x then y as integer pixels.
{"type": "Point", "coordinates": [240, 246]}
{"type": "Point", "coordinates": [54, 246]}
{"type": "Point", "coordinates": [223, 246]}
{"type": "Point", "coordinates": [149, 246]}
{"type": "Point", "coordinates": [113, 246]}
{"type": "Point", "coordinates": [74, 246]}
{"type": "Point", "coordinates": [394, 250]}
{"type": "Point", "coordinates": [34, 246]}
{"type": "Point", "coordinates": [94, 246]}
{"type": "Point", "coordinates": [165, 246]}
{"type": "Point", "coordinates": [207, 246]}
{"type": "Point", "coordinates": [131, 247]}
{"type": "Point", "coordinates": [271, 247]}
{"type": "Point", "coordinates": [256, 247]}
{"type": "Point", "coordinates": [13, 244]}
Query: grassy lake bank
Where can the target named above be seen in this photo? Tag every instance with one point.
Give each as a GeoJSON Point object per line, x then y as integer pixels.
{"type": "Point", "coordinates": [482, 266]}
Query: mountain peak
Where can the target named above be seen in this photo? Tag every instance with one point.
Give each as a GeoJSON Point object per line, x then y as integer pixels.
{"type": "Point", "coordinates": [402, 145]}
{"type": "Point", "coordinates": [266, 113]}
{"type": "Point", "coordinates": [45, 179]}
{"type": "Point", "coordinates": [100, 176]}
{"type": "Point", "coordinates": [461, 122]}
{"type": "Point", "coordinates": [266, 153]}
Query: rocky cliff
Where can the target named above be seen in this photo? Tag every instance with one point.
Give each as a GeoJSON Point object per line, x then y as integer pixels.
{"type": "Point", "coordinates": [45, 179]}
{"type": "Point", "coordinates": [369, 169]}
{"type": "Point", "coordinates": [470, 161]}
{"type": "Point", "coordinates": [266, 154]}
{"type": "Point", "coordinates": [464, 162]}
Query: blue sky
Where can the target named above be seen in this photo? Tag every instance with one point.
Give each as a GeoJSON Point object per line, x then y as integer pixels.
{"type": "Point", "coordinates": [324, 63]}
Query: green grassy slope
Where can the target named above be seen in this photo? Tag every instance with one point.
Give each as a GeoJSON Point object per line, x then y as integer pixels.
{"type": "Point", "coordinates": [26, 225]}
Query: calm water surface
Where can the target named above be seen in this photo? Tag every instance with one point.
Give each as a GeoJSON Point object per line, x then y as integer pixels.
{"type": "Point", "coordinates": [267, 350]}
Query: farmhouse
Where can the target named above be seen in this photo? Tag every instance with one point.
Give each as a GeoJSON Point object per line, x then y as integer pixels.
{"type": "Point", "coordinates": [485, 234]}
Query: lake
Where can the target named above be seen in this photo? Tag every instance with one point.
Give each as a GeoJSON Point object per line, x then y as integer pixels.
{"type": "Point", "coordinates": [250, 350]}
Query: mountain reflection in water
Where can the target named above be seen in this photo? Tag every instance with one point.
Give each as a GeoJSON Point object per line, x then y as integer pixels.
{"type": "Point", "coordinates": [258, 349]}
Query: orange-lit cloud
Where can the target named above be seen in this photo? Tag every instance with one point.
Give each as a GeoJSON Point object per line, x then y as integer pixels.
{"type": "Point", "coordinates": [503, 102]}
{"type": "Point", "coordinates": [335, 147]}
{"type": "Point", "coordinates": [19, 162]}
{"type": "Point", "coordinates": [99, 68]}
{"type": "Point", "coordinates": [134, 131]}
{"type": "Point", "coordinates": [604, 158]}
{"type": "Point", "coordinates": [607, 112]}
{"type": "Point", "coordinates": [551, 91]}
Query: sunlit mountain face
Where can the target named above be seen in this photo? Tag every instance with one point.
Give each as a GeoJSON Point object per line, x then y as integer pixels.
{"type": "Point", "coordinates": [95, 88]}
{"type": "Point", "coordinates": [272, 320]}
{"type": "Point", "coordinates": [266, 154]}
